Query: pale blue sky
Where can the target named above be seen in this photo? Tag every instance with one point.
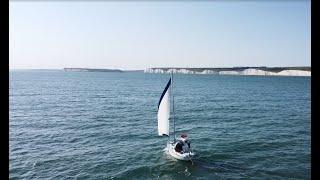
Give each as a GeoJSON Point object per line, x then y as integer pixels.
{"type": "Point", "coordinates": [138, 35]}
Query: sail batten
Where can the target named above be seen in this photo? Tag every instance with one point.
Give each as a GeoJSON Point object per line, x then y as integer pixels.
{"type": "Point", "coordinates": [164, 111]}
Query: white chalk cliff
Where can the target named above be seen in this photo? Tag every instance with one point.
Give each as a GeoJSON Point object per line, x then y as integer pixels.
{"type": "Point", "coordinates": [249, 71]}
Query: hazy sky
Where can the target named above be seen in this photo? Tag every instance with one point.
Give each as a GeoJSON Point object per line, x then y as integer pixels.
{"type": "Point", "coordinates": [138, 35]}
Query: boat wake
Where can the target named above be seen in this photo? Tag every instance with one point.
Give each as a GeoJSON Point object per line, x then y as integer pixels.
{"type": "Point", "coordinates": [219, 166]}
{"type": "Point", "coordinates": [209, 165]}
{"type": "Point", "coordinates": [215, 165]}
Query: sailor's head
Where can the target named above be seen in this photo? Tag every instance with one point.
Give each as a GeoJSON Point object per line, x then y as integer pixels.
{"type": "Point", "coordinates": [184, 137]}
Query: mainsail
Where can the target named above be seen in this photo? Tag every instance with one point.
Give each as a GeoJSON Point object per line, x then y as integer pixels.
{"type": "Point", "coordinates": [164, 111]}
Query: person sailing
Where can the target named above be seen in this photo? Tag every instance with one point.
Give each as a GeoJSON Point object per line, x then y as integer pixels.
{"type": "Point", "coordinates": [183, 145]}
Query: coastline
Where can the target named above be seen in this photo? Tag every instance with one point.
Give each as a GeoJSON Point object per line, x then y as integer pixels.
{"type": "Point", "coordinates": [244, 71]}
{"type": "Point", "coordinates": [249, 71]}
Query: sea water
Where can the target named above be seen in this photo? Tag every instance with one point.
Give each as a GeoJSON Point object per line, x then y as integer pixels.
{"type": "Point", "coordinates": [96, 125]}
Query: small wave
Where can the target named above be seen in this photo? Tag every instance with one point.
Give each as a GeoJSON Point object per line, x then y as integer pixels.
{"type": "Point", "coordinates": [136, 173]}
{"type": "Point", "coordinates": [185, 172]}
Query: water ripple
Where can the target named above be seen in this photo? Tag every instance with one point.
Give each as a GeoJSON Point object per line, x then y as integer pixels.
{"type": "Point", "coordinates": [77, 125]}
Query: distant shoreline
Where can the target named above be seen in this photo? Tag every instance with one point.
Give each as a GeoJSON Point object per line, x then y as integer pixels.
{"type": "Point", "coordinates": [79, 70]}
{"type": "Point", "coordinates": [259, 71]}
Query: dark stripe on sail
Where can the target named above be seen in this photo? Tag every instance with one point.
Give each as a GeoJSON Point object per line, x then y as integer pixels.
{"type": "Point", "coordinates": [164, 92]}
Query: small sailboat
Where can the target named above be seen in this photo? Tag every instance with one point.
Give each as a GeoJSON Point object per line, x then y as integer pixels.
{"type": "Point", "coordinates": [178, 148]}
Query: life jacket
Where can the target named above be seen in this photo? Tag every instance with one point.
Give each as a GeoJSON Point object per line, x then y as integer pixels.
{"type": "Point", "coordinates": [179, 146]}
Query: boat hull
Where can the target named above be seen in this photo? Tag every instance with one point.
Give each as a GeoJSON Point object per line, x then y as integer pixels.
{"type": "Point", "coordinates": [177, 155]}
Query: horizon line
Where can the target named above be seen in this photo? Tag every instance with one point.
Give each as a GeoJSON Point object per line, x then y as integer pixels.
{"type": "Point", "coordinates": [141, 69]}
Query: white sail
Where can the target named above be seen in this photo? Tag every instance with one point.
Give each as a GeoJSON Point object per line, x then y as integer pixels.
{"type": "Point", "coordinates": [164, 111]}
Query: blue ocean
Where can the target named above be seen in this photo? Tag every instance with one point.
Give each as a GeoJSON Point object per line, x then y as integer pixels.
{"type": "Point", "coordinates": [99, 125]}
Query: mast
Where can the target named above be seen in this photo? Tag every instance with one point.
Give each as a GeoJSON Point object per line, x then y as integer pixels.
{"type": "Point", "coordinates": [174, 138]}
